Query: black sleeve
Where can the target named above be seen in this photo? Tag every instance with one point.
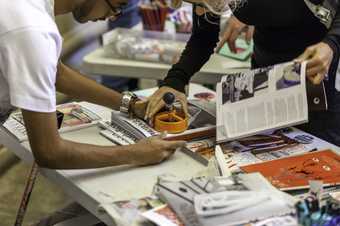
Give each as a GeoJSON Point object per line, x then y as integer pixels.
{"type": "Point", "coordinates": [199, 48]}
{"type": "Point", "coordinates": [333, 40]}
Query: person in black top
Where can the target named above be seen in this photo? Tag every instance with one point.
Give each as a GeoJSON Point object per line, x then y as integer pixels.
{"type": "Point", "coordinates": [284, 31]}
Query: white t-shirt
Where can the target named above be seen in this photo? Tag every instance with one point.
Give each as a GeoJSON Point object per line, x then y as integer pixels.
{"type": "Point", "coordinates": [30, 46]}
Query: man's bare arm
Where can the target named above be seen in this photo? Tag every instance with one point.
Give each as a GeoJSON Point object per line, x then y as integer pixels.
{"type": "Point", "coordinates": [76, 85]}
{"type": "Point", "coordinates": [51, 151]}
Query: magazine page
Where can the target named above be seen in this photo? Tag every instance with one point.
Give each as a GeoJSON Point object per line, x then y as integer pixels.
{"type": "Point", "coordinates": [201, 150]}
{"type": "Point", "coordinates": [163, 216]}
{"type": "Point", "coordinates": [268, 146]}
{"type": "Point", "coordinates": [16, 127]}
{"type": "Point", "coordinates": [103, 112]}
{"type": "Point", "coordinates": [124, 131]}
{"type": "Point", "coordinates": [220, 130]}
{"type": "Point", "coordinates": [129, 212]}
{"type": "Point", "coordinates": [263, 99]}
{"type": "Point", "coordinates": [136, 126]}
{"type": "Point", "coordinates": [261, 148]}
{"type": "Point", "coordinates": [295, 172]}
{"type": "Point", "coordinates": [76, 116]}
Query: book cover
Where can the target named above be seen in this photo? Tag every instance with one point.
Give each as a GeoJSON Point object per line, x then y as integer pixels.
{"type": "Point", "coordinates": [295, 172]}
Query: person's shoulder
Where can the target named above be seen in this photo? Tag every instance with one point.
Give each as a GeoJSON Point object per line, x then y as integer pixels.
{"type": "Point", "coordinates": [36, 46]}
{"type": "Point", "coordinates": [22, 14]}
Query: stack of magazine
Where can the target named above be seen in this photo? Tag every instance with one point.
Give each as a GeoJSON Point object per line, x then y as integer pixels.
{"type": "Point", "coordinates": [116, 127]}
{"type": "Point", "coordinates": [77, 115]}
{"type": "Point", "coordinates": [236, 200]}
{"type": "Point", "coordinates": [123, 131]}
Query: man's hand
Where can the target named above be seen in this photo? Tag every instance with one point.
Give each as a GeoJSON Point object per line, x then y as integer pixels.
{"type": "Point", "coordinates": [319, 58]}
{"type": "Point", "coordinates": [156, 103]}
{"type": "Point", "coordinates": [153, 150]}
{"type": "Point", "coordinates": [233, 31]}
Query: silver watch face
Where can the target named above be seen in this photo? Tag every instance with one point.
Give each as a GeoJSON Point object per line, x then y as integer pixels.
{"type": "Point", "coordinates": [126, 99]}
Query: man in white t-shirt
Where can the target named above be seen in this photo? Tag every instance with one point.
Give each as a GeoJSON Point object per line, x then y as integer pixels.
{"type": "Point", "coordinates": [30, 74]}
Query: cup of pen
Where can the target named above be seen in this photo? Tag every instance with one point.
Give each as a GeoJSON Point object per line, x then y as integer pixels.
{"type": "Point", "coordinates": [153, 14]}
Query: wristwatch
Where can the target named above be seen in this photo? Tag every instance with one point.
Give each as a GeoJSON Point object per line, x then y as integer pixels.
{"type": "Point", "coordinates": [127, 99]}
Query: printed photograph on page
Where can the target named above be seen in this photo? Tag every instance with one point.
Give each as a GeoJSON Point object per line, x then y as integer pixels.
{"type": "Point", "coordinates": [288, 76]}
{"type": "Point", "coordinates": [241, 86]}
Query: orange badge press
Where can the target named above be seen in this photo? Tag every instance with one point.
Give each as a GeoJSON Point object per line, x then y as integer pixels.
{"type": "Point", "coordinates": [171, 120]}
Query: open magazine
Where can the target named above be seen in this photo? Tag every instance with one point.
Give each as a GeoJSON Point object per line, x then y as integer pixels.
{"type": "Point", "coordinates": [256, 101]}
{"type": "Point", "coordinates": [77, 115]}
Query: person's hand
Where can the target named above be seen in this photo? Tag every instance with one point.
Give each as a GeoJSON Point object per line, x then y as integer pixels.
{"type": "Point", "coordinates": [319, 58]}
{"type": "Point", "coordinates": [234, 28]}
{"type": "Point", "coordinates": [156, 103]}
{"type": "Point", "coordinates": [153, 150]}
{"type": "Point", "coordinates": [139, 108]}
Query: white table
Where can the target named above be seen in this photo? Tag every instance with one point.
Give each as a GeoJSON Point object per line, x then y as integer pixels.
{"type": "Point", "coordinates": [92, 188]}
{"type": "Point", "coordinates": [97, 63]}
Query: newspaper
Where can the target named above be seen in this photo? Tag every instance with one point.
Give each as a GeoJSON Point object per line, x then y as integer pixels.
{"type": "Point", "coordinates": [259, 100]}
{"type": "Point", "coordinates": [76, 116]}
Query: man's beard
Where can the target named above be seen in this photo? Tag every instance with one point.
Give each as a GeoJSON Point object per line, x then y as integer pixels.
{"type": "Point", "coordinates": [82, 11]}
